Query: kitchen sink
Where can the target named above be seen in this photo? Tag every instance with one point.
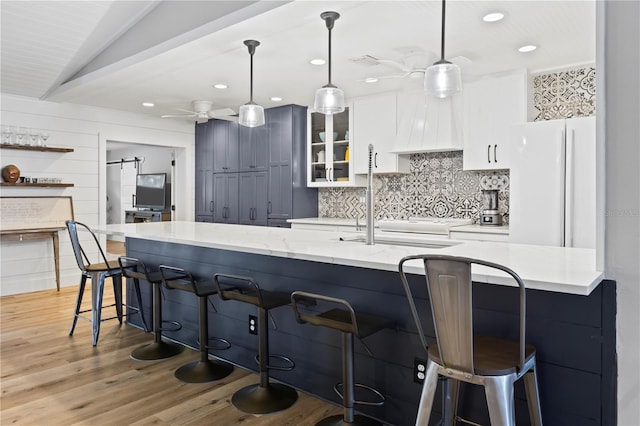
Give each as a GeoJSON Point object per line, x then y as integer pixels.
{"type": "Point", "coordinates": [404, 241]}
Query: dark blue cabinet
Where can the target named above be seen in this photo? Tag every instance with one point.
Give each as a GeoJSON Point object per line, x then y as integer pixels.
{"type": "Point", "coordinates": [253, 148]}
{"type": "Point", "coordinates": [254, 176]}
{"type": "Point", "coordinates": [253, 198]}
{"type": "Point", "coordinates": [225, 146]}
{"type": "Point", "coordinates": [289, 196]}
{"type": "Point", "coordinates": [204, 173]}
{"type": "Point", "coordinates": [225, 202]}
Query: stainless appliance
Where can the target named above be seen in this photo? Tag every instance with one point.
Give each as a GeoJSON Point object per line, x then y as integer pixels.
{"type": "Point", "coordinates": [490, 212]}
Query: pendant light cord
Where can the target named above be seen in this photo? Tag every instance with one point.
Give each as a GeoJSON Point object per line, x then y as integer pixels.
{"type": "Point", "coordinates": [329, 51]}
{"type": "Point", "coordinates": [442, 32]}
{"type": "Point", "coordinates": [251, 78]}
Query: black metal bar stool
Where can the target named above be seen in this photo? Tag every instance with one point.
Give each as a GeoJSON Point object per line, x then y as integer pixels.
{"type": "Point", "coordinates": [343, 318]}
{"type": "Point", "coordinates": [264, 397]}
{"type": "Point", "coordinates": [136, 270]}
{"type": "Point", "coordinates": [204, 370]}
{"type": "Point", "coordinates": [97, 272]}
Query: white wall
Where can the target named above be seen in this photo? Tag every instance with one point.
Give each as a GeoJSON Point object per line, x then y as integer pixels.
{"type": "Point", "coordinates": [29, 266]}
{"type": "Point", "coordinates": [620, 152]}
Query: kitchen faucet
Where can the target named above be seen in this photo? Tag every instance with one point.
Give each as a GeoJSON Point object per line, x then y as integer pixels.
{"type": "Point", "coordinates": [369, 199]}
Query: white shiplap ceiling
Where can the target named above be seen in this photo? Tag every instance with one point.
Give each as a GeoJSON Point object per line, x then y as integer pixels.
{"type": "Point", "coordinates": [117, 54]}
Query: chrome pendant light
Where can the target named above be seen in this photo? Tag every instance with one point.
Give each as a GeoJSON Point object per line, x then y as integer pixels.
{"type": "Point", "coordinates": [251, 114]}
{"type": "Point", "coordinates": [443, 78]}
{"type": "Point", "coordinates": [329, 99]}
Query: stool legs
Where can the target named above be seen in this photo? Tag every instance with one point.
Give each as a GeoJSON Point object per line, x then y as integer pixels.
{"type": "Point", "coordinates": [348, 391]}
{"type": "Point", "coordinates": [81, 287]}
{"type": "Point", "coordinates": [264, 397]}
{"type": "Point", "coordinates": [499, 394]}
{"type": "Point", "coordinates": [203, 370]}
{"type": "Point", "coordinates": [533, 397]}
{"type": "Point", "coordinates": [158, 349]}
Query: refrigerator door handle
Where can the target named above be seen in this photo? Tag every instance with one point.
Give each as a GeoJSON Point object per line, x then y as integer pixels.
{"type": "Point", "coordinates": [569, 188]}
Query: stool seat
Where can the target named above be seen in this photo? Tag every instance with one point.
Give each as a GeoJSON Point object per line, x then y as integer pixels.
{"type": "Point", "coordinates": [340, 319]}
{"type": "Point", "coordinates": [492, 356]}
{"type": "Point", "coordinates": [267, 299]}
{"type": "Point", "coordinates": [136, 270]}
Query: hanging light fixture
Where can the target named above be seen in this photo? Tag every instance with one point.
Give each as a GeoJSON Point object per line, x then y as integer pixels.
{"type": "Point", "coordinates": [251, 114]}
{"type": "Point", "coordinates": [329, 99]}
{"type": "Point", "coordinates": [442, 79]}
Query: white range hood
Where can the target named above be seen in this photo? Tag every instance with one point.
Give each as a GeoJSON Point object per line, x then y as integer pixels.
{"type": "Point", "coordinates": [428, 124]}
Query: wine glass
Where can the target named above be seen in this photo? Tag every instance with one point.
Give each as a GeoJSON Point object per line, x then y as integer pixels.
{"type": "Point", "coordinates": [7, 134]}
{"type": "Point", "coordinates": [44, 136]}
{"type": "Point", "coordinates": [34, 137]}
{"type": "Point", "coordinates": [21, 136]}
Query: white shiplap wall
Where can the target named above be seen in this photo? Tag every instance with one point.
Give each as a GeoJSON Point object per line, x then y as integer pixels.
{"type": "Point", "coordinates": [29, 266]}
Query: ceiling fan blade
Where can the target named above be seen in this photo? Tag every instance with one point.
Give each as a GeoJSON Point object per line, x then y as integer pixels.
{"type": "Point", "coordinates": [227, 118]}
{"type": "Point", "coordinates": [393, 63]}
{"type": "Point", "coordinates": [387, 76]}
{"type": "Point", "coordinates": [461, 61]}
{"type": "Point", "coordinates": [221, 112]}
{"type": "Point", "coordinates": [187, 110]}
{"type": "Point", "coordinates": [178, 115]}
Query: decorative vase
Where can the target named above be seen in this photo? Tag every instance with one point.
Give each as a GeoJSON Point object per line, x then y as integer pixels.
{"type": "Point", "coordinates": [11, 173]}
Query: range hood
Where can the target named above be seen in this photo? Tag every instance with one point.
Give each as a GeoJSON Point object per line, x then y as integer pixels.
{"type": "Point", "coordinates": [428, 124]}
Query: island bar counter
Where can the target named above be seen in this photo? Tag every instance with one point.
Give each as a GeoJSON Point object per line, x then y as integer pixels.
{"type": "Point", "coordinates": [570, 316]}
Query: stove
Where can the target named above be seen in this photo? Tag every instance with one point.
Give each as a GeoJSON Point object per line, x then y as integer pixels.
{"type": "Point", "coordinates": [422, 225]}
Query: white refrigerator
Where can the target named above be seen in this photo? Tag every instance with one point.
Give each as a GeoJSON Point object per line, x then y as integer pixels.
{"type": "Point", "coordinates": [552, 197]}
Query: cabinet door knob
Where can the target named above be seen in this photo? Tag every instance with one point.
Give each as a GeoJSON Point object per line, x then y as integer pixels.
{"type": "Point", "coordinates": [375, 160]}
{"type": "Point", "coordinates": [489, 154]}
{"type": "Point", "coordinates": [495, 157]}
{"type": "Point", "coordinates": [211, 206]}
{"type": "Point", "coordinates": [269, 207]}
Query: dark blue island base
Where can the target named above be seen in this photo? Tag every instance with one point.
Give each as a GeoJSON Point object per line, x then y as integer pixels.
{"type": "Point", "coordinates": [574, 335]}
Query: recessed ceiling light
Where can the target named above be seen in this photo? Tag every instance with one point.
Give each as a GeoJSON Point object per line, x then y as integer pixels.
{"type": "Point", "coordinates": [276, 98]}
{"type": "Point", "coordinates": [148, 104]}
{"type": "Point", "coordinates": [370, 80]}
{"type": "Point", "coordinates": [317, 62]}
{"type": "Point", "coordinates": [220, 86]}
{"type": "Point", "coordinates": [493, 17]}
{"type": "Point", "coordinates": [527, 48]}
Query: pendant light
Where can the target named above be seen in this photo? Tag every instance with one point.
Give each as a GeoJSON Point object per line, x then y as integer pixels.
{"type": "Point", "coordinates": [329, 99]}
{"type": "Point", "coordinates": [251, 114]}
{"type": "Point", "coordinates": [443, 79]}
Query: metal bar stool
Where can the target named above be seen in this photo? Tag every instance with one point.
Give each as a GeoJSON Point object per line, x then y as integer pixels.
{"type": "Point", "coordinates": [343, 318]}
{"type": "Point", "coordinates": [136, 270]}
{"type": "Point", "coordinates": [264, 397]}
{"type": "Point", "coordinates": [204, 370]}
{"type": "Point", "coordinates": [97, 272]}
{"type": "Point", "coordinates": [462, 356]}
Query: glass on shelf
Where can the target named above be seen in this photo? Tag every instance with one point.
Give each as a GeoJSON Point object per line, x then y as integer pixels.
{"type": "Point", "coordinates": [21, 136]}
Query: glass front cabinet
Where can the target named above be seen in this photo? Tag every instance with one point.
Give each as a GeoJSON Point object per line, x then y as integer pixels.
{"type": "Point", "coordinates": [329, 162]}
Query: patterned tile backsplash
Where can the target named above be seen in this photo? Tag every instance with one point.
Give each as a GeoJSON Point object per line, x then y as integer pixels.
{"type": "Point", "coordinates": [438, 187]}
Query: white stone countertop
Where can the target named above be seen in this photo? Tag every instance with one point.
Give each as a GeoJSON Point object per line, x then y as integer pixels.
{"type": "Point", "coordinates": [557, 269]}
{"type": "Point", "coordinates": [482, 229]}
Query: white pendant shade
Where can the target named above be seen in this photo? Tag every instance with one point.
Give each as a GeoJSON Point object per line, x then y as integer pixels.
{"type": "Point", "coordinates": [329, 100]}
{"type": "Point", "coordinates": [251, 115]}
{"type": "Point", "coordinates": [443, 79]}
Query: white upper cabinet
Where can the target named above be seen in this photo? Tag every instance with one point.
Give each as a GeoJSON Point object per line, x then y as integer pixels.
{"type": "Point", "coordinates": [329, 159]}
{"type": "Point", "coordinates": [375, 123]}
{"type": "Point", "coordinates": [492, 105]}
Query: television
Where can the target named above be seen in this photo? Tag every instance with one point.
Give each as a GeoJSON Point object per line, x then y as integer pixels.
{"type": "Point", "coordinates": [152, 191]}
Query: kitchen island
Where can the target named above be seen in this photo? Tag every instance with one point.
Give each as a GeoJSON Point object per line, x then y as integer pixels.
{"type": "Point", "coordinates": [570, 319]}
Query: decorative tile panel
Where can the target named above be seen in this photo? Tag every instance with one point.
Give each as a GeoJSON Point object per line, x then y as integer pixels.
{"type": "Point", "coordinates": [435, 187]}
{"type": "Point", "coordinates": [565, 94]}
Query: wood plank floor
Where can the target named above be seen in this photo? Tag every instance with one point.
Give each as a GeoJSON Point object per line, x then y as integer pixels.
{"type": "Point", "coordinates": [50, 378]}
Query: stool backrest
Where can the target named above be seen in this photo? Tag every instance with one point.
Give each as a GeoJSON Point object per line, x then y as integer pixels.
{"type": "Point", "coordinates": [449, 285]}
{"type": "Point", "coordinates": [133, 268]}
{"type": "Point", "coordinates": [178, 278]}
{"type": "Point", "coordinates": [81, 257]}
{"type": "Point", "coordinates": [238, 287]}
{"type": "Point", "coordinates": [302, 297]}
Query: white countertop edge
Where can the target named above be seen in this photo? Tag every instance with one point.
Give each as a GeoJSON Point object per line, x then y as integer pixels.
{"type": "Point", "coordinates": [563, 270]}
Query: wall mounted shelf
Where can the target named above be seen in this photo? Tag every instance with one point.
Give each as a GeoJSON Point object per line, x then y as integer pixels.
{"type": "Point", "coordinates": [41, 185]}
{"type": "Point", "coordinates": [35, 148]}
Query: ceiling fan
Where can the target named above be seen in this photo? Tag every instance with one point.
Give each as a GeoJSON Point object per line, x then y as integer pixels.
{"type": "Point", "coordinates": [413, 64]}
{"type": "Point", "coordinates": [202, 112]}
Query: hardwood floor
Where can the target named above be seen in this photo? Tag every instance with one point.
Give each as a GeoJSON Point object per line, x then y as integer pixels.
{"type": "Point", "coordinates": [48, 377]}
